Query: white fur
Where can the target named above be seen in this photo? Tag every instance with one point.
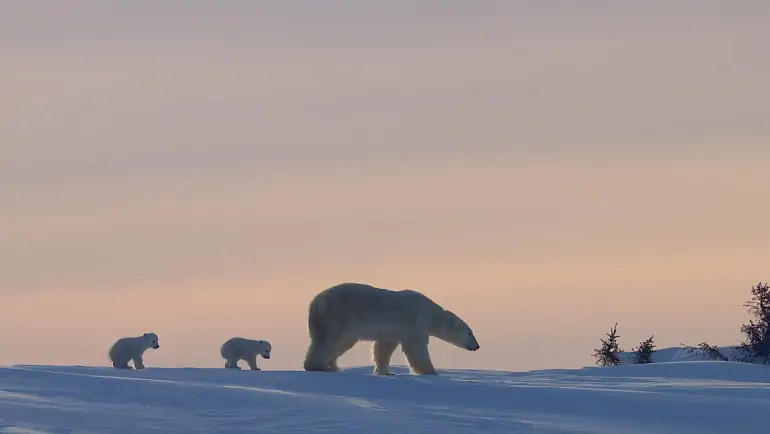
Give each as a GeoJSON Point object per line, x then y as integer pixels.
{"type": "Point", "coordinates": [237, 348]}
{"type": "Point", "coordinates": [342, 315]}
{"type": "Point", "coordinates": [131, 349]}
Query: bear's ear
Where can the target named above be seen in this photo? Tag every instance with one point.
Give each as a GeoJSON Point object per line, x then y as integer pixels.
{"type": "Point", "coordinates": [144, 335]}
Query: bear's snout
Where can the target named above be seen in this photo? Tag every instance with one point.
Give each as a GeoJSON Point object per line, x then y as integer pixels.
{"type": "Point", "coordinates": [267, 356]}
{"type": "Point", "coordinates": [156, 346]}
{"type": "Point", "coordinates": [472, 347]}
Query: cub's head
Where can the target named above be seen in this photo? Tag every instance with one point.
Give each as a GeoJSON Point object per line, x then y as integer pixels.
{"type": "Point", "coordinates": [266, 349]}
{"type": "Point", "coordinates": [151, 340]}
{"type": "Point", "coordinates": [452, 329]}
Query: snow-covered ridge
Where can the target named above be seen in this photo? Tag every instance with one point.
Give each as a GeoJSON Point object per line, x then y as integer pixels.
{"type": "Point", "coordinates": [679, 354]}
{"type": "Point", "coordinates": [669, 397]}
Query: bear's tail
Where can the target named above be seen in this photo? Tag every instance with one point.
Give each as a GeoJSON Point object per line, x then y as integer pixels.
{"type": "Point", "coordinates": [111, 352]}
{"type": "Point", "coordinates": [315, 318]}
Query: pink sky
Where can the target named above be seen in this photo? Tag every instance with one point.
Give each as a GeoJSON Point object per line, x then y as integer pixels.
{"type": "Point", "coordinates": [202, 171]}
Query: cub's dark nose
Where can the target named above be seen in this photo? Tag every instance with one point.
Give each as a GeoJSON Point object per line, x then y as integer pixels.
{"type": "Point", "coordinates": [473, 347]}
{"type": "Point", "coordinates": [157, 346]}
{"type": "Point", "coordinates": [267, 356]}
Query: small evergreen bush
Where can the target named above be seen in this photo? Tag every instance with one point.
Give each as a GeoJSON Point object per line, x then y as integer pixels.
{"type": "Point", "coordinates": [643, 354]}
{"type": "Point", "coordinates": [607, 355]}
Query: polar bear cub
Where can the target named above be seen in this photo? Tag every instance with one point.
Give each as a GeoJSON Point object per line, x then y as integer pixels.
{"type": "Point", "coordinates": [238, 348]}
{"type": "Point", "coordinates": [132, 348]}
{"type": "Point", "coordinates": [341, 316]}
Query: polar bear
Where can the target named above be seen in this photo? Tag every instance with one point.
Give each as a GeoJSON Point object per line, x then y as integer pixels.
{"type": "Point", "coordinates": [132, 348]}
{"type": "Point", "coordinates": [340, 316]}
{"type": "Point", "coordinates": [237, 348]}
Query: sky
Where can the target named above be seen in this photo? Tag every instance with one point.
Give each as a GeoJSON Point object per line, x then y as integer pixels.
{"type": "Point", "coordinates": [543, 169]}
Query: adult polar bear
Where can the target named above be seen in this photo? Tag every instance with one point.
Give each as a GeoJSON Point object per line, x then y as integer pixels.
{"type": "Point", "coordinates": [340, 316]}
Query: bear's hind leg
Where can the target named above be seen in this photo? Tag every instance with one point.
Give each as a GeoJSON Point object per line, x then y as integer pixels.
{"type": "Point", "coordinates": [318, 355]}
{"type": "Point", "coordinates": [342, 348]}
{"type": "Point", "coordinates": [121, 365]}
{"type": "Point", "coordinates": [418, 357]}
{"type": "Point", "coordinates": [382, 351]}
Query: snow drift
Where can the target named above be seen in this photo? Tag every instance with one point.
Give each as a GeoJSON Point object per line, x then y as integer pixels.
{"type": "Point", "coordinates": [672, 397]}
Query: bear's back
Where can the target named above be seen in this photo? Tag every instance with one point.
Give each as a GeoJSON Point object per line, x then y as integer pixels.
{"type": "Point", "coordinates": [362, 298]}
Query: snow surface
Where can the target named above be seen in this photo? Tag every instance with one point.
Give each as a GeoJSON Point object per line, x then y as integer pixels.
{"type": "Point", "coordinates": [669, 397]}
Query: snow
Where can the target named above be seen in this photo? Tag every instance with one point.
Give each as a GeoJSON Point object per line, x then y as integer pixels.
{"type": "Point", "coordinates": [669, 397]}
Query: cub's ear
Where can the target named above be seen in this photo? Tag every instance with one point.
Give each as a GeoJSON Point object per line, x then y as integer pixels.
{"type": "Point", "coordinates": [144, 335]}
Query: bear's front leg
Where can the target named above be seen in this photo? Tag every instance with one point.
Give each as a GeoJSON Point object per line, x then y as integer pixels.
{"type": "Point", "coordinates": [417, 355]}
{"type": "Point", "coordinates": [382, 351]}
{"type": "Point", "coordinates": [138, 362]}
{"type": "Point", "coordinates": [252, 361]}
{"type": "Point", "coordinates": [332, 366]}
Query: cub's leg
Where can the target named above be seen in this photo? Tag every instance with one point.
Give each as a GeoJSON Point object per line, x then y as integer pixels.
{"type": "Point", "coordinates": [138, 362]}
{"type": "Point", "coordinates": [121, 365]}
{"type": "Point", "coordinates": [232, 364]}
{"type": "Point", "coordinates": [252, 361]}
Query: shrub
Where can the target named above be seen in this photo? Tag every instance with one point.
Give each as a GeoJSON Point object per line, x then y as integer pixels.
{"type": "Point", "coordinates": [757, 334]}
{"type": "Point", "coordinates": [710, 351]}
{"type": "Point", "coordinates": [643, 354]}
{"type": "Point", "coordinates": [607, 355]}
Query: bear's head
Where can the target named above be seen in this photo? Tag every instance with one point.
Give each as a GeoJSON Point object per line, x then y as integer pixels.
{"type": "Point", "coordinates": [151, 340]}
{"type": "Point", "coordinates": [266, 349]}
{"type": "Point", "coordinates": [452, 329]}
